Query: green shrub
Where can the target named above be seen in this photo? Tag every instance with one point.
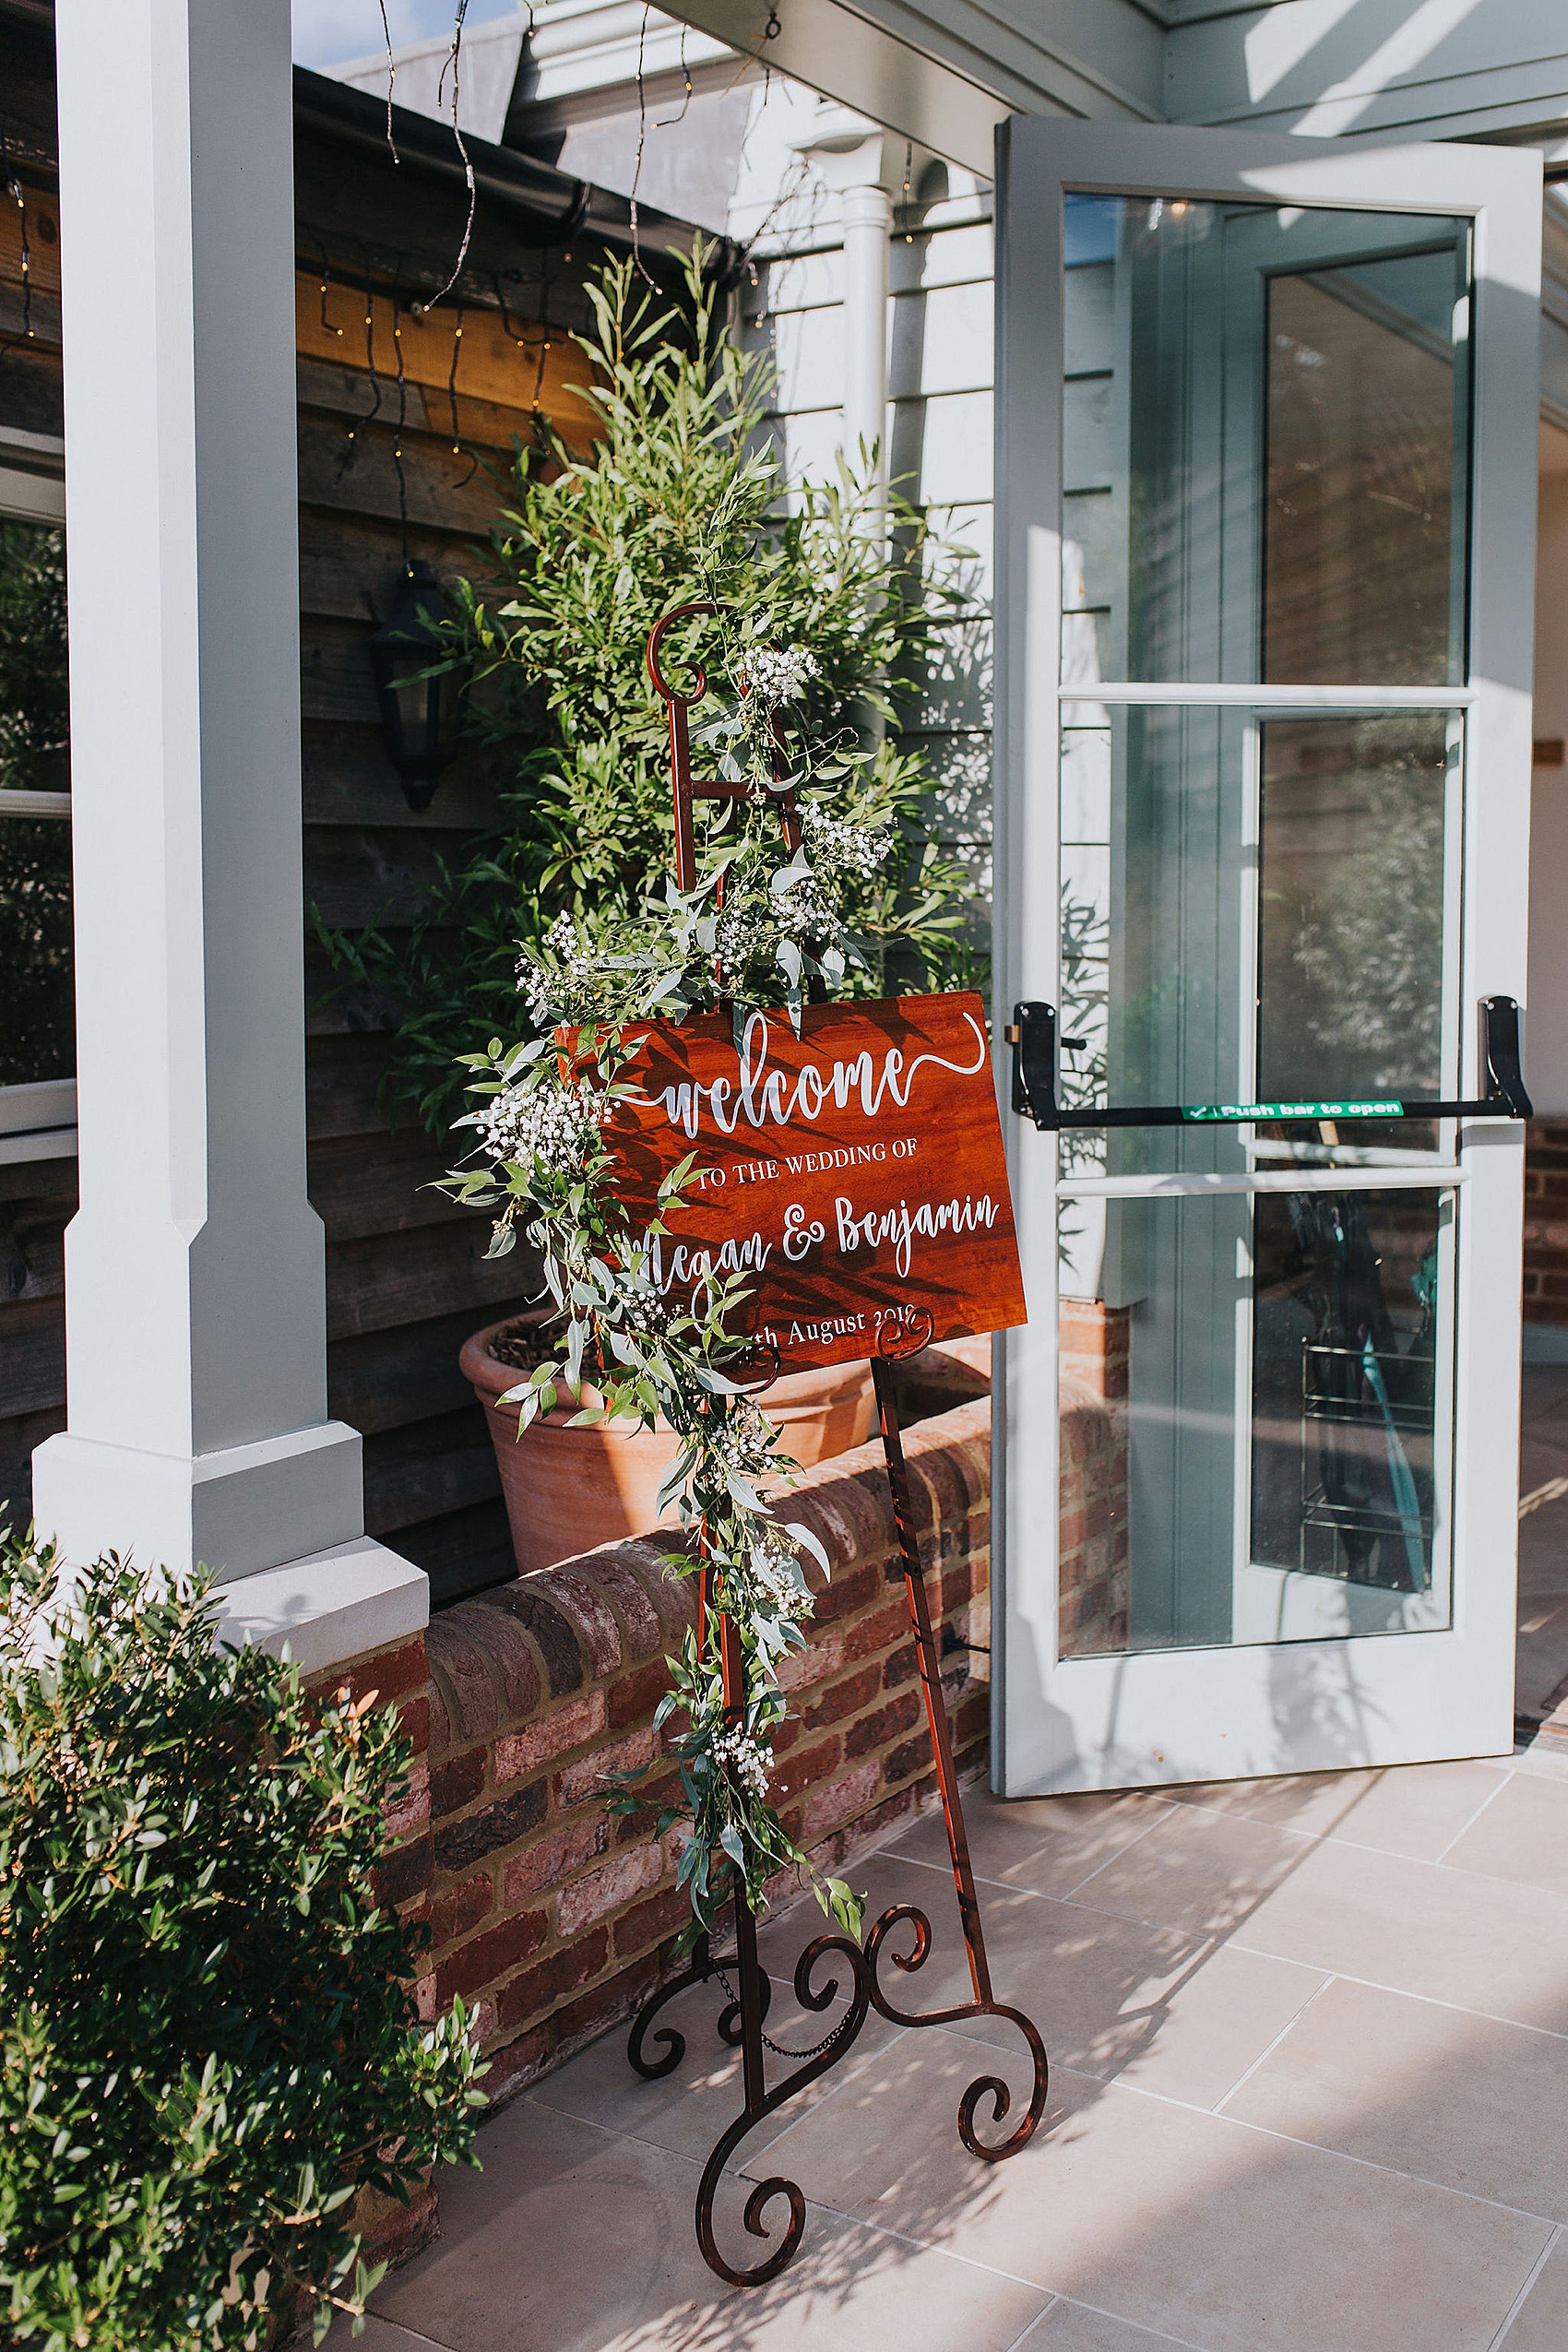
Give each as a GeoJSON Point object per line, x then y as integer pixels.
{"type": "Point", "coordinates": [208, 2038]}
{"type": "Point", "coordinates": [683, 497]}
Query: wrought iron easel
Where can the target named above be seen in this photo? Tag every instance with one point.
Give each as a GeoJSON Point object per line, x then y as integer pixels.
{"type": "Point", "coordinates": [740, 2023]}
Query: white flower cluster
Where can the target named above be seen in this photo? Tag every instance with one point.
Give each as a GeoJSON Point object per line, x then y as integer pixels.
{"type": "Point", "coordinates": [572, 968]}
{"type": "Point", "coordinates": [548, 1126]}
{"type": "Point", "coordinates": [774, 1573]}
{"type": "Point", "coordinates": [839, 847]}
{"type": "Point", "coordinates": [738, 1753]}
{"type": "Point", "coordinates": [776, 673]}
{"type": "Point", "coordinates": [742, 1441]}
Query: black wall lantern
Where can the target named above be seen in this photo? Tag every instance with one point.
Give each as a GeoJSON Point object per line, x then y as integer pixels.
{"type": "Point", "coordinates": [421, 715]}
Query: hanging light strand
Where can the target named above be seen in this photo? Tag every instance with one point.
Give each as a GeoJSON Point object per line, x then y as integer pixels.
{"type": "Point", "coordinates": [391, 81]}
{"type": "Point", "coordinates": [668, 121]}
{"type": "Point", "coordinates": [402, 420]}
{"type": "Point", "coordinates": [18, 197]}
{"type": "Point", "coordinates": [453, 65]}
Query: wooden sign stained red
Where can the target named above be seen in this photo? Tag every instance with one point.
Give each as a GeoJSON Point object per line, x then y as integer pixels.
{"type": "Point", "coordinates": [853, 1174]}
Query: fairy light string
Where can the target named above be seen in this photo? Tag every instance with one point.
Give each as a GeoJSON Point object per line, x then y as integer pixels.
{"type": "Point", "coordinates": [18, 196]}
{"type": "Point", "coordinates": [669, 122]}
{"type": "Point", "coordinates": [453, 64]}
{"type": "Point", "coordinates": [642, 142]}
{"type": "Point", "coordinates": [391, 81]}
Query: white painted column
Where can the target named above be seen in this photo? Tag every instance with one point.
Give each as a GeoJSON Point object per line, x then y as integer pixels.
{"type": "Point", "coordinates": [849, 156]}
{"type": "Point", "coordinates": [868, 227]}
{"type": "Point", "coordinates": [195, 1269]}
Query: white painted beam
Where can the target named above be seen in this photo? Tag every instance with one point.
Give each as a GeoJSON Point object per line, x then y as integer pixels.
{"type": "Point", "coordinates": [944, 72]}
{"type": "Point", "coordinates": [195, 1269]}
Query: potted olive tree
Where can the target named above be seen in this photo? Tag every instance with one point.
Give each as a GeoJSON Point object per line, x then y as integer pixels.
{"type": "Point", "coordinates": [682, 498]}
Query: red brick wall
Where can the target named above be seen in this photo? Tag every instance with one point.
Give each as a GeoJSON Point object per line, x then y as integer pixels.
{"type": "Point", "coordinates": [1546, 1221]}
{"type": "Point", "coordinates": [399, 1675]}
{"type": "Point", "coordinates": [549, 1915]}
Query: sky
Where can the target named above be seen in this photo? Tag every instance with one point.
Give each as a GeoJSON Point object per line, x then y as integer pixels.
{"type": "Point", "coordinates": [328, 32]}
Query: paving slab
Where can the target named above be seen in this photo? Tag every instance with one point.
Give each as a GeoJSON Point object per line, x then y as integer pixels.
{"type": "Point", "coordinates": [1185, 2223]}
{"type": "Point", "coordinates": [1433, 2091]}
{"type": "Point", "coordinates": [575, 2240]}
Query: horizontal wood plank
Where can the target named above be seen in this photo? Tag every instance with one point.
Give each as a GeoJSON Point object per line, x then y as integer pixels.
{"type": "Point", "coordinates": [422, 1472]}
{"type": "Point", "coordinates": [32, 1357]}
{"type": "Point", "coordinates": [384, 1380]}
{"type": "Point", "coordinates": [349, 781]}
{"type": "Point", "coordinates": [381, 1185]}
{"type": "Point", "coordinates": [360, 477]}
{"type": "Point", "coordinates": [407, 1277]}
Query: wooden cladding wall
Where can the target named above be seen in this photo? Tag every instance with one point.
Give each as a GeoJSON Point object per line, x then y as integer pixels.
{"type": "Point", "coordinates": [406, 1275]}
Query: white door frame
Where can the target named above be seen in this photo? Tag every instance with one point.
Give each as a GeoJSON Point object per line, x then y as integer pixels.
{"type": "Point", "coordinates": [1144, 1718]}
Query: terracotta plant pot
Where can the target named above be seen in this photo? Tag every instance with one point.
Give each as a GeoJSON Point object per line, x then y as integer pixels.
{"type": "Point", "coordinates": [567, 1489]}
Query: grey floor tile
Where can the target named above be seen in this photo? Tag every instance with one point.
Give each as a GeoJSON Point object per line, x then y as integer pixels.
{"type": "Point", "coordinates": [1522, 1835]}
{"type": "Point", "coordinates": [1178, 2013]}
{"type": "Point", "coordinates": [1412, 1809]}
{"type": "Point", "coordinates": [1202, 1872]}
{"type": "Point", "coordinates": [1541, 2325]}
{"type": "Point", "coordinates": [686, 2110]}
{"type": "Point", "coordinates": [574, 2241]}
{"type": "Point", "coordinates": [378, 2335]}
{"type": "Point", "coordinates": [1183, 2223]}
{"type": "Point", "coordinates": [1072, 2327]}
{"type": "Point", "coordinates": [1484, 1944]}
{"type": "Point", "coordinates": [1048, 1844]}
{"type": "Point", "coordinates": [1439, 2092]}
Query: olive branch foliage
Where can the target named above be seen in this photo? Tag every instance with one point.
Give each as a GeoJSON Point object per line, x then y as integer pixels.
{"type": "Point", "coordinates": [208, 2035]}
{"type": "Point", "coordinates": [818, 624]}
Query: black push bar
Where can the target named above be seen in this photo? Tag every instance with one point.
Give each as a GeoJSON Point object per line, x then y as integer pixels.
{"type": "Point", "coordinates": [1033, 1039]}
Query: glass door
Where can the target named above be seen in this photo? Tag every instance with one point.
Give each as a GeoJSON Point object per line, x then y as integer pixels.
{"type": "Point", "coordinates": [1267, 448]}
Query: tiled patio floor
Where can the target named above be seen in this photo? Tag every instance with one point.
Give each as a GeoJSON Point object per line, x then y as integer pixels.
{"type": "Point", "coordinates": [1310, 2088]}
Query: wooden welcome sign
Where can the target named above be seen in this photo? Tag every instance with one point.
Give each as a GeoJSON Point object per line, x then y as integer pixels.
{"type": "Point", "coordinates": [853, 1173]}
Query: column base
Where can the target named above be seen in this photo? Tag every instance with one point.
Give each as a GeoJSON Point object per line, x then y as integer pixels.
{"type": "Point", "coordinates": [238, 1511]}
{"type": "Point", "coordinates": [329, 1607]}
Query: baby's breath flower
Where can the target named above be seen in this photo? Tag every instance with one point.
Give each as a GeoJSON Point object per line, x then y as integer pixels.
{"type": "Point", "coordinates": [776, 673]}
{"type": "Point", "coordinates": [550, 1126]}
{"type": "Point", "coordinates": [839, 849]}
{"type": "Point", "coordinates": [739, 1754]}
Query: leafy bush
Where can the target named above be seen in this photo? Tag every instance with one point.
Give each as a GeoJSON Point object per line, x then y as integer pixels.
{"type": "Point", "coordinates": [682, 498]}
{"type": "Point", "coordinates": [208, 2039]}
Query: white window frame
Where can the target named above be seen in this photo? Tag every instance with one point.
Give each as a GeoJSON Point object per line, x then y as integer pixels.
{"type": "Point", "coordinates": [37, 1120]}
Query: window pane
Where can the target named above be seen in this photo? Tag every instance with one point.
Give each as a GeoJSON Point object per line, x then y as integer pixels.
{"type": "Point", "coordinates": [1352, 858]}
{"type": "Point", "coordinates": [34, 730]}
{"type": "Point", "coordinates": [1264, 443]}
{"type": "Point", "coordinates": [1256, 913]}
{"type": "Point", "coordinates": [1360, 475]}
{"type": "Point", "coordinates": [38, 1034]}
{"type": "Point", "coordinates": [1256, 1419]}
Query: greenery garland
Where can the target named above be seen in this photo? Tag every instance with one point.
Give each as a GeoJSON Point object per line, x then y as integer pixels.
{"type": "Point", "coordinates": [777, 931]}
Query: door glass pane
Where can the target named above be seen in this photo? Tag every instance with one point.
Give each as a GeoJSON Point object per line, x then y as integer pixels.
{"type": "Point", "coordinates": [37, 1036]}
{"type": "Point", "coordinates": [1362, 572]}
{"type": "Point", "coordinates": [1256, 1421]}
{"type": "Point", "coordinates": [1353, 877]}
{"type": "Point", "coordinates": [1264, 443]}
{"type": "Point", "coordinates": [1257, 913]}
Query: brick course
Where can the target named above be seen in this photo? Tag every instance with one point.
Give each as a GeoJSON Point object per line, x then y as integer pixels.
{"type": "Point", "coordinates": [551, 1915]}
{"type": "Point", "coordinates": [1546, 1221]}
